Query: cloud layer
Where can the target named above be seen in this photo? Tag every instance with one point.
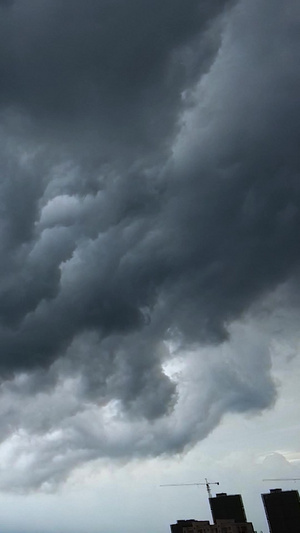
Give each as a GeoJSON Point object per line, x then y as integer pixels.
{"type": "Point", "coordinates": [149, 201]}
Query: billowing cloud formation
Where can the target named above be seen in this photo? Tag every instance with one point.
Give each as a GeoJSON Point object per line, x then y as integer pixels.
{"type": "Point", "coordinates": [149, 199]}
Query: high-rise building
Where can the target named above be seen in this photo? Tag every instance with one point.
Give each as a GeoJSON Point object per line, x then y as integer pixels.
{"type": "Point", "coordinates": [203, 526]}
{"type": "Point", "coordinates": [228, 506]}
{"type": "Point", "coordinates": [191, 526]}
{"type": "Point", "coordinates": [282, 510]}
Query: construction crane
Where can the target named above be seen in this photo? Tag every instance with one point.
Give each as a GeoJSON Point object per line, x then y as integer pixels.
{"type": "Point", "coordinates": [283, 479]}
{"type": "Point", "coordinates": [207, 484]}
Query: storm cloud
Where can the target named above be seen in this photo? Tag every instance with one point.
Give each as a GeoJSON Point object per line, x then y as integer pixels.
{"type": "Point", "coordinates": [149, 180]}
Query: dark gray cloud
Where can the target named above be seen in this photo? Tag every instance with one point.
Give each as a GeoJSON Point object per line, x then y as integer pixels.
{"type": "Point", "coordinates": [117, 68]}
{"type": "Point", "coordinates": [149, 199]}
{"type": "Point", "coordinates": [5, 3]}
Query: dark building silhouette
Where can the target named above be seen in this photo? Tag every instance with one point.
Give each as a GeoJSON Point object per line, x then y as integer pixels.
{"type": "Point", "coordinates": [203, 526]}
{"type": "Point", "coordinates": [282, 510]}
{"type": "Point", "coordinates": [228, 507]}
{"type": "Point", "coordinates": [184, 526]}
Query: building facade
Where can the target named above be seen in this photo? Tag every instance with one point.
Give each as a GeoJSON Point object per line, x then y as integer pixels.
{"type": "Point", "coordinates": [282, 510]}
{"type": "Point", "coordinates": [203, 526]}
{"type": "Point", "coordinates": [227, 507]}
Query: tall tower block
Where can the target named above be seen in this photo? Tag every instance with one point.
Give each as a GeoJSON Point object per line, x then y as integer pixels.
{"type": "Point", "coordinates": [227, 507]}
{"type": "Point", "coordinates": [282, 510]}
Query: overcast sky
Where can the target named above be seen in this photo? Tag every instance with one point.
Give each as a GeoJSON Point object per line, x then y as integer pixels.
{"type": "Point", "coordinates": [149, 273]}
